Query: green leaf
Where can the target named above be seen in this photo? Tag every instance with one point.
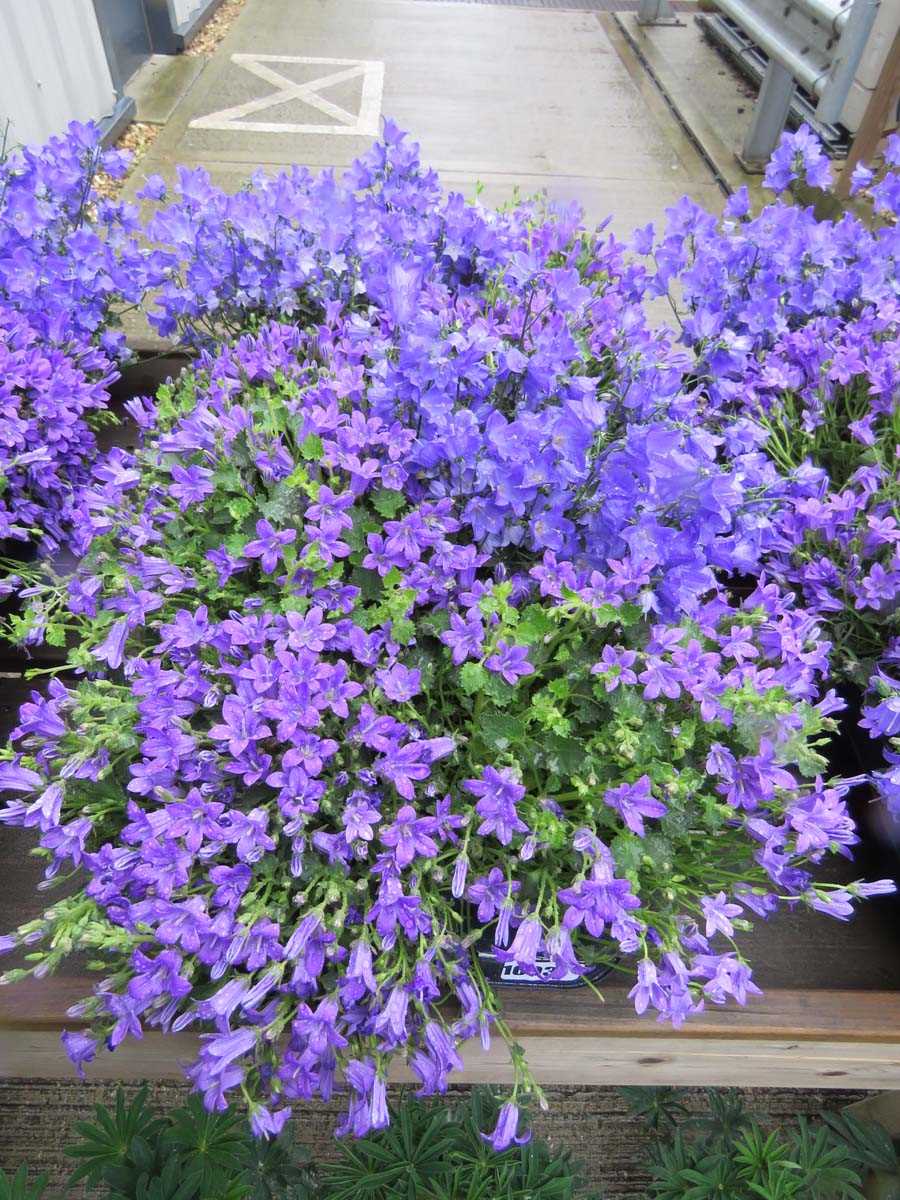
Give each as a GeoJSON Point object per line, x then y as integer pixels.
{"type": "Point", "coordinates": [868, 1142]}
{"type": "Point", "coordinates": [433, 1151]}
{"type": "Point", "coordinates": [563, 755]}
{"type": "Point", "coordinates": [605, 614]}
{"type": "Point", "coordinates": [533, 626]}
{"type": "Point", "coordinates": [387, 503]}
{"type": "Point", "coordinates": [240, 509]}
{"type": "Point", "coordinates": [19, 1187]}
{"type": "Point", "coordinates": [311, 447]}
{"type": "Point", "coordinates": [473, 678]}
{"type": "Point", "coordinates": [499, 730]}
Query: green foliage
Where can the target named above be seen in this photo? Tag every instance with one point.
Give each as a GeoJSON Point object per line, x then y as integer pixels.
{"type": "Point", "coordinates": [869, 1141]}
{"type": "Point", "coordinates": [433, 1150]}
{"type": "Point", "coordinates": [18, 1187]}
{"type": "Point", "coordinates": [724, 1153]}
{"type": "Point", "coordinates": [131, 1153]}
{"type": "Point", "coordinates": [659, 1108]}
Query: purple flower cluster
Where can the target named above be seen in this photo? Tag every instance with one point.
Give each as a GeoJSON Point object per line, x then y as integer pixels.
{"type": "Point", "coordinates": [408, 624]}
{"type": "Point", "coordinates": [793, 324]}
{"type": "Point", "coordinates": [47, 446]}
{"type": "Point", "coordinates": [514, 343]}
{"type": "Point", "coordinates": [67, 260]}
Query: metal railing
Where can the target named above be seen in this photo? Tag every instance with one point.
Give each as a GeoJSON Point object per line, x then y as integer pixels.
{"type": "Point", "coordinates": [821, 52]}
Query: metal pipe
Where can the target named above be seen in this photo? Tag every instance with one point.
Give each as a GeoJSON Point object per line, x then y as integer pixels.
{"type": "Point", "coordinates": [845, 60]}
{"type": "Point", "coordinates": [654, 12]}
{"type": "Point", "coordinates": [832, 13]}
{"type": "Point", "coordinates": [769, 116]}
{"type": "Point", "coordinates": [779, 45]}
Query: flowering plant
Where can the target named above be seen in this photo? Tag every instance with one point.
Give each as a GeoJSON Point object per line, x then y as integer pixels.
{"type": "Point", "coordinates": [50, 398]}
{"type": "Point", "coordinates": [68, 262]}
{"type": "Point", "coordinates": [793, 322]}
{"type": "Point", "coordinates": [339, 716]}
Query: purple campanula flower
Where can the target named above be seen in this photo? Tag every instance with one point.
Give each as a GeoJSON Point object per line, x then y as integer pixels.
{"type": "Point", "coordinates": [616, 665]}
{"type": "Point", "coordinates": [268, 545]}
{"type": "Point", "coordinates": [633, 801]}
{"type": "Point", "coordinates": [309, 631]}
{"type": "Point", "coordinates": [509, 662]}
{"type": "Point", "coordinates": [310, 752]}
{"type": "Point", "coordinates": [597, 901]}
{"type": "Point", "coordinates": [390, 1022]}
{"type": "Point", "coordinates": [359, 818]}
{"type": "Point", "coordinates": [190, 485]}
{"type": "Point", "coordinates": [505, 1132]}
{"type": "Point", "coordinates": [837, 902]}
{"type": "Point", "coordinates": [399, 683]}
{"type": "Point", "coordinates": [81, 1048]}
{"type": "Point", "coordinates": [647, 991]}
{"type": "Point", "coordinates": [230, 883]}
{"type": "Point", "coordinates": [45, 811]}
{"type": "Point", "coordinates": [661, 678]}
{"type": "Point", "coordinates": [525, 946]}
{"type": "Point", "coordinates": [189, 629]}
{"type": "Point", "coordinates": [112, 649]}
{"type": "Point", "coordinates": [154, 188]}
{"type": "Point", "coordinates": [410, 836]}
{"type": "Point", "coordinates": [498, 794]}
{"type": "Point", "coordinates": [226, 564]}
{"type": "Point", "coordinates": [393, 908]}
{"type": "Point", "coordinates": [359, 969]}
{"type": "Point", "coordinates": [718, 913]}
{"type": "Point", "coordinates": [127, 1012]}
{"type": "Point", "coordinates": [318, 1028]}
{"type": "Point", "coordinates": [240, 726]}
{"type": "Point", "coordinates": [491, 892]}
{"type": "Point", "coordinates": [14, 778]}
{"type": "Point", "coordinates": [798, 155]}
{"type": "Point", "coordinates": [738, 644]}
{"type": "Point", "coordinates": [465, 637]}
{"type": "Point", "coordinates": [406, 765]}
{"type": "Point", "coordinates": [726, 977]}
{"type": "Point", "coordinates": [267, 1122]}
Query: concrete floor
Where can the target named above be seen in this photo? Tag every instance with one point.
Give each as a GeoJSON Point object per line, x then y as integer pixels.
{"type": "Point", "coordinates": [710, 96]}
{"type": "Point", "coordinates": [503, 96]}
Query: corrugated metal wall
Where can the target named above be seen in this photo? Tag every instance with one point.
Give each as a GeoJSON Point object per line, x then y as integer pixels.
{"type": "Point", "coordinates": [53, 68]}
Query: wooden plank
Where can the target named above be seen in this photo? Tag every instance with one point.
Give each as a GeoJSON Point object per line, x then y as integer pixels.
{"type": "Point", "coordinates": [875, 119]}
{"type": "Point", "coordinates": [848, 1016]}
{"type": "Point", "coordinates": [678, 1059]}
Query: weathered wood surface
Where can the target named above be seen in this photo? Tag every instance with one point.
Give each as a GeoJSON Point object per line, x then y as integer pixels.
{"type": "Point", "coordinates": [876, 120]}
{"type": "Point", "coordinates": [554, 1055]}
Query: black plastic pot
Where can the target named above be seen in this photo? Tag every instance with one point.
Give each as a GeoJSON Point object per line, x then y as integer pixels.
{"type": "Point", "coordinates": [506, 974]}
{"type": "Point", "coordinates": [853, 752]}
{"type": "Point", "coordinates": [141, 377]}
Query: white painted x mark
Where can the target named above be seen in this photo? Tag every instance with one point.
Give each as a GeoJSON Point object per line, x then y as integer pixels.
{"type": "Point", "coordinates": [364, 123]}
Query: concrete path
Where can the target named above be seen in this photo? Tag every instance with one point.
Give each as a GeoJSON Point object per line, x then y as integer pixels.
{"type": "Point", "coordinates": [508, 97]}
